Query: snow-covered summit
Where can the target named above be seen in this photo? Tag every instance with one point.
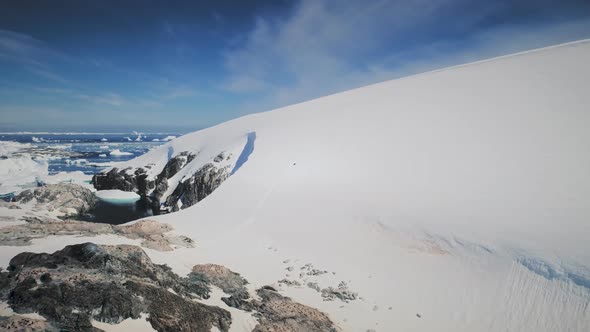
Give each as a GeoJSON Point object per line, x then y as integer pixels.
{"type": "Point", "coordinates": [452, 200]}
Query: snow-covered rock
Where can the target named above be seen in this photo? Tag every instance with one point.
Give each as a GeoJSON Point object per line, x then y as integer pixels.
{"type": "Point", "coordinates": [176, 180]}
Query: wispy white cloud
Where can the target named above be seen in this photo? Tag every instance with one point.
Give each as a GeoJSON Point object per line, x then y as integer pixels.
{"type": "Point", "coordinates": [325, 46]}
{"type": "Point", "coordinates": [111, 99]}
{"type": "Point", "coordinates": [39, 58]}
{"type": "Point", "coordinates": [44, 72]}
{"type": "Point", "coordinates": [180, 91]}
{"type": "Point", "coordinates": [34, 55]}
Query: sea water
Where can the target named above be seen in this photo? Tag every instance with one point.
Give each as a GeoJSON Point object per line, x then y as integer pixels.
{"type": "Point", "coordinates": [91, 152]}
{"type": "Point", "coordinates": [66, 153]}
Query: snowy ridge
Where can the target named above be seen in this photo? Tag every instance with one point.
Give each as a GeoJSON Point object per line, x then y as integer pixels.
{"type": "Point", "coordinates": [455, 200]}
{"type": "Point", "coordinates": [158, 157]}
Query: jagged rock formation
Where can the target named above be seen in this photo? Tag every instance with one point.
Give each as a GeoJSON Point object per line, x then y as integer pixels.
{"type": "Point", "coordinates": [117, 179]}
{"type": "Point", "coordinates": [65, 198]}
{"type": "Point", "coordinates": [172, 167]}
{"type": "Point", "coordinates": [197, 187]}
{"type": "Point", "coordinates": [109, 284]}
{"type": "Point", "coordinates": [137, 180]}
{"type": "Point", "coordinates": [188, 191]}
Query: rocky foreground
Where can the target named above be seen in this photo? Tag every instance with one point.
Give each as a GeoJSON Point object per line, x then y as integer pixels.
{"type": "Point", "coordinates": [70, 289]}
{"type": "Point", "coordinates": [81, 283]}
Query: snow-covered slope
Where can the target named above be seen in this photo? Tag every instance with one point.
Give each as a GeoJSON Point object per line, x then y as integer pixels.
{"type": "Point", "coordinates": [455, 200]}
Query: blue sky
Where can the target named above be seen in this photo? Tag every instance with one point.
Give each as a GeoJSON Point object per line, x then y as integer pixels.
{"type": "Point", "coordinates": [184, 65]}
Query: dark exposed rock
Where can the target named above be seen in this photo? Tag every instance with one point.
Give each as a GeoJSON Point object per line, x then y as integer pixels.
{"type": "Point", "coordinates": [198, 186]}
{"type": "Point", "coordinates": [45, 277]}
{"type": "Point", "coordinates": [115, 179]}
{"type": "Point", "coordinates": [219, 158]}
{"type": "Point", "coordinates": [288, 282]}
{"type": "Point", "coordinates": [238, 303]}
{"type": "Point", "coordinates": [311, 271]}
{"type": "Point", "coordinates": [108, 284]}
{"type": "Point", "coordinates": [342, 293]}
{"type": "Point", "coordinates": [176, 164]}
{"type": "Point", "coordinates": [173, 166]}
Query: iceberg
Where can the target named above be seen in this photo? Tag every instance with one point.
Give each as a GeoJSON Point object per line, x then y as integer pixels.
{"type": "Point", "coordinates": [118, 152]}
{"type": "Point", "coordinates": [19, 172]}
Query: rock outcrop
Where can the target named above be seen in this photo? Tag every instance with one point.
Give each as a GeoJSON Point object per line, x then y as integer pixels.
{"type": "Point", "coordinates": [197, 187]}
{"type": "Point", "coordinates": [273, 311]}
{"type": "Point", "coordinates": [81, 283]}
{"type": "Point", "coordinates": [188, 191]}
{"type": "Point", "coordinates": [117, 179]}
{"type": "Point", "coordinates": [277, 313]}
{"type": "Point", "coordinates": [73, 286]}
{"type": "Point", "coordinates": [228, 281]}
{"type": "Point", "coordinates": [154, 235]}
{"type": "Point", "coordinates": [65, 198]}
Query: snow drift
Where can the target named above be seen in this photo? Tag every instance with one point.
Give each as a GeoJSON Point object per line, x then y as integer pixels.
{"type": "Point", "coordinates": [455, 200]}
